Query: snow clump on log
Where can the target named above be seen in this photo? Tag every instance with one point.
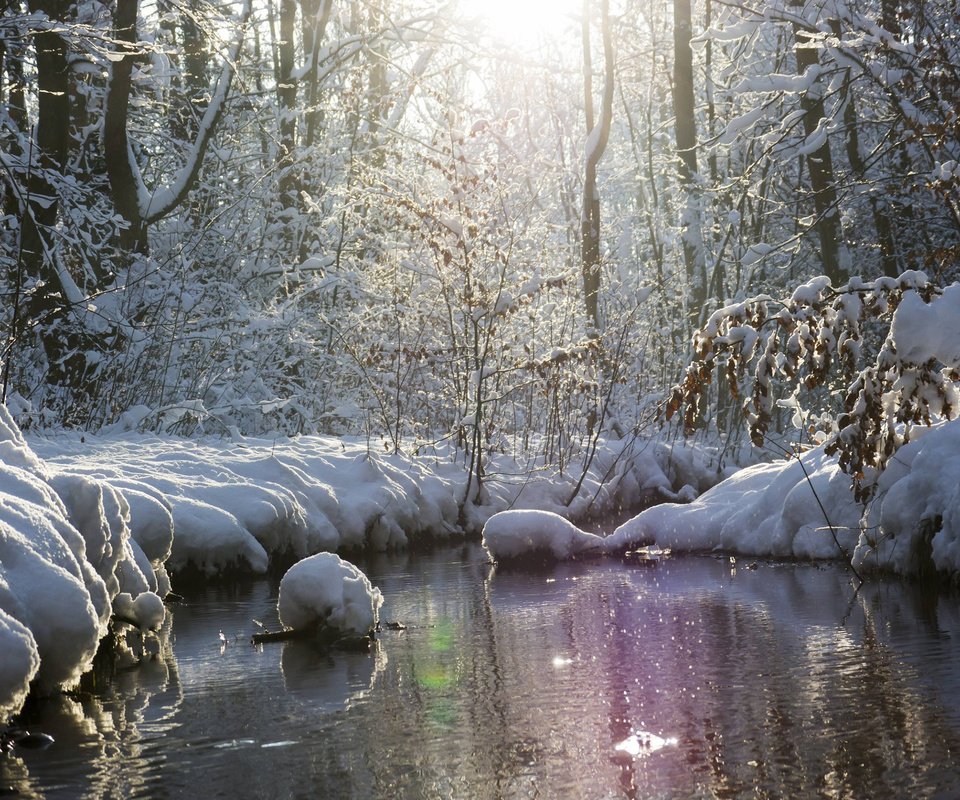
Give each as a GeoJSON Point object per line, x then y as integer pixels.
{"type": "Point", "coordinates": [328, 592]}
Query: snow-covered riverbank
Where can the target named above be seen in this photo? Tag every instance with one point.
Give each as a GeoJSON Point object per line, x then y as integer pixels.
{"type": "Point", "coordinates": [92, 527]}
{"type": "Point", "coordinates": [793, 508]}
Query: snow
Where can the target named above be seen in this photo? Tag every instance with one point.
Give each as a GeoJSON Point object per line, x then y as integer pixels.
{"type": "Point", "coordinates": [511, 534]}
{"type": "Point", "coordinates": [755, 253]}
{"type": "Point", "coordinates": [922, 331]}
{"type": "Point", "coordinates": [774, 510]}
{"type": "Point", "coordinates": [764, 510]}
{"type": "Point", "coordinates": [157, 204]}
{"type": "Point", "coordinates": [65, 556]}
{"type": "Point", "coordinates": [739, 124]}
{"type": "Point", "coordinates": [328, 591]}
{"type": "Point", "coordinates": [146, 609]}
{"type": "Point", "coordinates": [42, 584]}
{"type": "Point", "coordinates": [19, 663]}
{"type": "Point", "coordinates": [809, 293]}
{"type": "Point", "coordinates": [776, 82]}
{"type": "Point", "coordinates": [921, 485]}
{"type": "Point", "coordinates": [217, 504]}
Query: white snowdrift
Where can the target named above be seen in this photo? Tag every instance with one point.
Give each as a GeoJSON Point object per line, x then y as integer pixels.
{"type": "Point", "coordinates": [919, 489]}
{"type": "Point", "coordinates": [48, 590]}
{"type": "Point", "coordinates": [514, 534]}
{"type": "Point", "coordinates": [217, 505]}
{"type": "Point", "coordinates": [19, 663]}
{"type": "Point", "coordinates": [236, 504]}
{"type": "Point", "coordinates": [763, 510]}
{"type": "Point", "coordinates": [65, 555]}
{"type": "Point", "coordinates": [327, 591]}
{"type": "Point", "coordinates": [923, 331]}
{"type": "Point", "coordinates": [772, 510]}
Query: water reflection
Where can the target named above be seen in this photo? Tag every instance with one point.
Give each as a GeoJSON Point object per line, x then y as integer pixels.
{"type": "Point", "coordinates": [681, 679]}
{"type": "Point", "coordinates": [323, 680]}
{"type": "Point", "coordinates": [104, 738]}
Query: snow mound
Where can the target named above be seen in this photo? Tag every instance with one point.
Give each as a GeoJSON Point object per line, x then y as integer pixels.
{"type": "Point", "coordinates": [918, 498]}
{"type": "Point", "coordinates": [525, 532]}
{"type": "Point", "coordinates": [14, 451]}
{"type": "Point", "coordinates": [325, 590]}
{"type": "Point", "coordinates": [66, 554]}
{"type": "Point", "coordinates": [18, 665]}
{"type": "Point", "coordinates": [622, 474]}
{"type": "Point", "coordinates": [216, 505]}
{"type": "Point", "coordinates": [146, 610]}
{"type": "Point", "coordinates": [922, 331]}
{"type": "Point", "coordinates": [763, 510]}
{"type": "Point", "coordinates": [42, 583]}
{"type": "Point", "coordinates": [212, 538]}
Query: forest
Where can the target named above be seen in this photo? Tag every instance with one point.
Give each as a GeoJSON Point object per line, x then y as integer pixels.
{"type": "Point", "coordinates": [428, 221]}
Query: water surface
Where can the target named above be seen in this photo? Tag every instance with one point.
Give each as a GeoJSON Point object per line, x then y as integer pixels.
{"type": "Point", "coordinates": [694, 677]}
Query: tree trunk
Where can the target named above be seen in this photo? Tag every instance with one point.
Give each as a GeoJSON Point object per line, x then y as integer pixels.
{"type": "Point", "coordinates": [685, 128]}
{"type": "Point", "coordinates": [878, 206]}
{"type": "Point", "coordinates": [196, 76]}
{"type": "Point", "coordinates": [52, 147]}
{"type": "Point", "coordinates": [51, 303]}
{"type": "Point", "coordinates": [116, 143]}
{"type": "Point", "coordinates": [820, 165]}
{"type": "Point", "coordinates": [287, 98]}
{"type": "Point", "coordinates": [316, 15]}
{"type": "Point", "coordinates": [13, 98]}
{"type": "Point", "coordinates": [597, 136]}
{"type": "Point", "coordinates": [53, 143]}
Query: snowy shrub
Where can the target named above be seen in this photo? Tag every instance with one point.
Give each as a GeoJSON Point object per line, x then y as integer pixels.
{"type": "Point", "coordinates": [816, 338]}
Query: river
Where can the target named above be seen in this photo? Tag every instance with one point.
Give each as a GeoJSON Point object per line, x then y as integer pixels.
{"type": "Point", "coordinates": [687, 677]}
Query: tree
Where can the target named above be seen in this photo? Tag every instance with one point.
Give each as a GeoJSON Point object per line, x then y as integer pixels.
{"type": "Point", "coordinates": [598, 133]}
{"type": "Point", "coordinates": [818, 156]}
{"type": "Point", "coordinates": [686, 138]}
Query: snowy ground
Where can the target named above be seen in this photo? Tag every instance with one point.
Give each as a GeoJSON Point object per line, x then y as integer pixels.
{"type": "Point", "coordinates": [92, 527]}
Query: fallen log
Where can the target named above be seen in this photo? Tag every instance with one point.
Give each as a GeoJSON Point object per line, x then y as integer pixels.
{"type": "Point", "coordinates": [316, 633]}
{"type": "Point", "coordinates": [281, 636]}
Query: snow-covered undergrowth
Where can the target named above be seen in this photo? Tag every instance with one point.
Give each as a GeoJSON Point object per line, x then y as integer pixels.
{"type": "Point", "coordinates": [239, 503]}
{"type": "Point", "coordinates": [765, 510]}
{"type": "Point", "coordinates": [914, 522]}
{"type": "Point", "coordinates": [66, 558]}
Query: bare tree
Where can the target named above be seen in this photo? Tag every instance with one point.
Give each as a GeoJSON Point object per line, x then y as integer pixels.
{"type": "Point", "coordinates": [685, 128]}
{"type": "Point", "coordinates": [598, 134]}
{"type": "Point", "coordinates": [820, 161]}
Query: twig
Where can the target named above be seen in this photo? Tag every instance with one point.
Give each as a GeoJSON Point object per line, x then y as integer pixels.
{"type": "Point", "coordinates": [833, 531]}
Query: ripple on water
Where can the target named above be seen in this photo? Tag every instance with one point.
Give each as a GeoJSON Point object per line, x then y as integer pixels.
{"type": "Point", "coordinates": [681, 679]}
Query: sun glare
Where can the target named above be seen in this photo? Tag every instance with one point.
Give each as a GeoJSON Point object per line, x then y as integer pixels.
{"type": "Point", "coordinates": [523, 24]}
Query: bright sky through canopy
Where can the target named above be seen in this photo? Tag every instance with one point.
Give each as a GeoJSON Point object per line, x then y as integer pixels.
{"type": "Point", "coordinates": [523, 24]}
